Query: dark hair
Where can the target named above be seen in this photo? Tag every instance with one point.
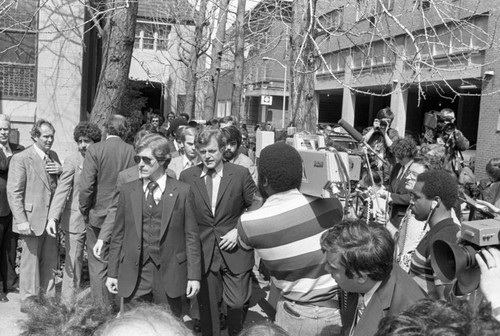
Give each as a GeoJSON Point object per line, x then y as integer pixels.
{"type": "Point", "coordinates": [174, 126]}
{"type": "Point", "coordinates": [440, 183]}
{"type": "Point", "coordinates": [117, 125]}
{"type": "Point", "coordinates": [493, 169]}
{"type": "Point", "coordinates": [185, 116]}
{"type": "Point", "coordinates": [36, 130]}
{"type": "Point", "coordinates": [263, 328]}
{"type": "Point", "coordinates": [281, 165]}
{"type": "Point", "coordinates": [227, 119]}
{"type": "Point", "coordinates": [87, 129]}
{"type": "Point", "coordinates": [430, 317]}
{"type": "Point", "coordinates": [404, 147]}
{"type": "Point", "coordinates": [159, 147]}
{"type": "Point", "coordinates": [170, 114]}
{"type": "Point", "coordinates": [231, 133]}
{"type": "Point", "coordinates": [363, 247]}
{"type": "Point", "coordinates": [385, 113]}
{"type": "Point", "coordinates": [214, 122]}
{"type": "Point", "coordinates": [204, 137]}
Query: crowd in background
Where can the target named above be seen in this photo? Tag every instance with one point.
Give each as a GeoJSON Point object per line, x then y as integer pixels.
{"type": "Point", "coordinates": [182, 220]}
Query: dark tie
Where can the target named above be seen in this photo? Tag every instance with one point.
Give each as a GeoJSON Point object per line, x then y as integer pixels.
{"type": "Point", "coordinates": [151, 190]}
{"type": "Point", "coordinates": [360, 308]}
{"type": "Point", "coordinates": [210, 185]}
{"type": "Point", "coordinates": [51, 177]}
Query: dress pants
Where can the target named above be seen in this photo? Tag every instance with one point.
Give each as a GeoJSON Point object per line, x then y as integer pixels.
{"type": "Point", "coordinates": [98, 268]}
{"type": "Point", "coordinates": [38, 266]}
{"type": "Point", "coordinates": [151, 288]}
{"type": "Point", "coordinates": [8, 247]}
{"type": "Point", "coordinates": [73, 264]}
{"type": "Point", "coordinates": [235, 290]}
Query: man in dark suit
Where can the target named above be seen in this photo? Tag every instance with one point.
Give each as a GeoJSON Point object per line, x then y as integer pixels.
{"type": "Point", "coordinates": [222, 193]}
{"type": "Point", "coordinates": [155, 252]}
{"type": "Point", "coordinates": [33, 175]}
{"type": "Point", "coordinates": [399, 197]}
{"type": "Point", "coordinates": [103, 161]}
{"type": "Point", "coordinates": [360, 259]}
{"type": "Point", "coordinates": [8, 239]}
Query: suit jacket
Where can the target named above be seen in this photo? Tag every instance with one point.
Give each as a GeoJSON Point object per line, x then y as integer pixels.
{"type": "Point", "coordinates": [103, 161]}
{"type": "Point", "coordinates": [180, 250]}
{"type": "Point", "coordinates": [236, 193]}
{"type": "Point", "coordinates": [4, 171]}
{"type": "Point", "coordinates": [399, 194]}
{"type": "Point", "coordinates": [176, 165]}
{"type": "Point", "coordinates": [394, 295]}
{"type": "Point", "coordinates": [65, 206]}
{"type": "Point", "coordinates": [28, 189]}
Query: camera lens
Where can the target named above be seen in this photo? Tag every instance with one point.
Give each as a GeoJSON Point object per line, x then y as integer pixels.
{"type": "Point", "coordinates": [449, 127]}
{"type": "Point", "coordinates": [383, 123]}
{"type": "Point", "coordinates": [449, 260]}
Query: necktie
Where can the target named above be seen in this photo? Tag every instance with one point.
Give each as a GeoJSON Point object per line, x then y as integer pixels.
{"type": "Point", "coordinates": [360, 308]}
{"type": "Point", "coordinates": [51, 177]}
{"type": "Point", "coordinates": [210, 184]}
{"type": "Point", "coordinates": [150, 197]}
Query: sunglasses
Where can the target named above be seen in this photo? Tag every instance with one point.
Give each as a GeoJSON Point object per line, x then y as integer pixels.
{"type": "Point", "coordinates": [145, 159]}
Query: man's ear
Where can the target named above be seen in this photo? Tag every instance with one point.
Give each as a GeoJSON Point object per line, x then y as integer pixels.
{"type": "Point", "coordinates": [361, 277]}
{"type": "Point", "coordinates": [265, 182]}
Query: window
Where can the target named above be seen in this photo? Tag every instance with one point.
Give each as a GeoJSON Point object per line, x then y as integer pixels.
{"type": "Point", "coordinates": [18, 50]}
{"type": "Point", "coordinates": [333, 19]}
{"type": "Point", "coordinates": [152, 35]}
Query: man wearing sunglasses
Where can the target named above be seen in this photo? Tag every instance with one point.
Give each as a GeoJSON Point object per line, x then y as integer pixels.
{"type": "Point", "coordinates": [155, 253]}
{"type": "Point", "coordinates": [103, 161]}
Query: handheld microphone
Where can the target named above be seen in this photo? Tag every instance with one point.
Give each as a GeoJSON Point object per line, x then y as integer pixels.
{"type": "Point", "coordinates": [352, 132]}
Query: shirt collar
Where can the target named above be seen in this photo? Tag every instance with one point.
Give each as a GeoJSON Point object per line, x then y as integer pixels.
{"type": "Point", "coordinates": [162, 181]}
{"type": "Point", "coordinates": [6, 147]}
{"type": "Point", "coordinates": [218, 170]}
{"type": "Point", "coordinates": [185, 161]}
{"type": "Point", "coordinates": [368, 295]}
{"type": "Point", "coordinates": [111, 136]}
{"type": "Point", "coordinates": [40, 152]}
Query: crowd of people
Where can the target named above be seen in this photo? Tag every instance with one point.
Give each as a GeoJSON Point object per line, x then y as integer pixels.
{"type": "Point", "coordinates": [180, 221]}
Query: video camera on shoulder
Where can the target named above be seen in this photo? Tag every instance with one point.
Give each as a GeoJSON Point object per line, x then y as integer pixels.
{"type": "Point", "coordinates": [457, 261]}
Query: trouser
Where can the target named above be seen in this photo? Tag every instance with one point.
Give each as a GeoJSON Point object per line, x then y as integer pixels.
{"type": "Point", "coordinates": [73, 264]}
{"type": "Point", "coordinates": [235, 290]}
{"type": "Point", "coordinates": [308, 320]}
{"type": "Point", "coordinates": [151, 288]}
{"type": "Point", "coordinates": [38, 266]}
{"type": "Point", "coordinates": [8, 247]}
{"type": "Point", "coordinates": [98, 268]}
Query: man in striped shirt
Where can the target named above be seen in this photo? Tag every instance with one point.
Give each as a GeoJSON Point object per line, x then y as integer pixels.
{"type": "Point", "coordinates": [286, 233]}
{"type": "Point", "coordinates": [432, 198]}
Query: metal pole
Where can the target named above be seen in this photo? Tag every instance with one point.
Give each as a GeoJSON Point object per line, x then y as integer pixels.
{"type": "Point", "coordinates": [284, 99]}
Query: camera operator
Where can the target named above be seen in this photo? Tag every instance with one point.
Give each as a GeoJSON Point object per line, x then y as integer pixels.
{"type": "Point", "coordinates": [381, 137]}
{"type": "Point", "coordinates": [453, 141]}
{"type": "Point", "coordinates": [432, 199]}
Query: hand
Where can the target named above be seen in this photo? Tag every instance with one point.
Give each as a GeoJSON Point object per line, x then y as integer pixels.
{"type": "Point", "coordinates": [229, 240]}
{"type": "Point", "coordinates": [98, 248]}
{"type": "Point", "coordinates": [380, 217]}
{"type": "Point", "coordinates": [193, 287]}
{"type": "Point", "coordinates": [489, 265]}
{"type": "Point", "coordinates": [53, 168]}
{"type": "Point", "coordinates": [488, 205]}
{"type": "Point", "coordinates": [112, 285]}
{"type": "Point", "coordinates": [24, 228]}
{"type": "Point", "coordinates": [51, 227]}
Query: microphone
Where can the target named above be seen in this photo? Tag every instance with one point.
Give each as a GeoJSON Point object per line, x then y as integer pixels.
{"type": "Point", "coordinates": [352, 132]}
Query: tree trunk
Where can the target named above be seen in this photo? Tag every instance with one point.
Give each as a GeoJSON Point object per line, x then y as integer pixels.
{"type": "Point", "coordinates": [217, 49]}
{"type": "Point", "coordinates": [192, 68]}
{"type": "Point", "coordinates": [303, 66]}
{"type": "Point", "coordinates": [117, 43]}
{"type": "Point", "coordinates": [239, 60]}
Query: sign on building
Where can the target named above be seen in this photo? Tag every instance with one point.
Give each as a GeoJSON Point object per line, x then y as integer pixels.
{"type": "Point", "coordinates": [266, 100]}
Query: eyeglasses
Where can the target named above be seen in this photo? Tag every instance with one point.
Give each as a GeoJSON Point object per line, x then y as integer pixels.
{"type": "Point", "coordinates": [147, 160]}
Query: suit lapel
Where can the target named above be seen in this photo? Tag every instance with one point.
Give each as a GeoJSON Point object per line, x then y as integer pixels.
{"type": "Point", "coordinates": [169, 197]}
{"type": "Point", "coordinates": [137, 196]}
{"type": "Point", "coordinates": [227, 176]}
{"type": "Point", "coordinates": [39, 168]}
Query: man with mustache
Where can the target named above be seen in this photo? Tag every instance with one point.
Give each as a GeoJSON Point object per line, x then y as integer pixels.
{"type": "Point", "coordinates": [232, 136]}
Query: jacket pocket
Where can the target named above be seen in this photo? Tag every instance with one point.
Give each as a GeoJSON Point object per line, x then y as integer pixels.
{"type": "Point", "coordinates": [28, 207]}
{"type": "Point", "coordinates": [181, 257]}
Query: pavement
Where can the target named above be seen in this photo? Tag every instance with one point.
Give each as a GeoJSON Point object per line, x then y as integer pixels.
{"type": "Point", "coordinates": [11, 317]}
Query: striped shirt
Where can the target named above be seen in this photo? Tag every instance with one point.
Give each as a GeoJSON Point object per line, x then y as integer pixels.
{"type": "Point", "coordinates": [421, 267]}
{"type": "Point", "coordinates": [286, 233]}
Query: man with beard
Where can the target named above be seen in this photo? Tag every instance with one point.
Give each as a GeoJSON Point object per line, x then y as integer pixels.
{"type": "Point", "coordinates": [232, 136]}
{"type": "Point", "coordinates": [432, 199]}
{"type": "Point", "coordinates": [286, 233]}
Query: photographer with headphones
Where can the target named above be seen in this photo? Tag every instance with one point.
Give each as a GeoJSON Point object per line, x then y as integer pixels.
{"type": "Point", "coordinates": [431, 200]}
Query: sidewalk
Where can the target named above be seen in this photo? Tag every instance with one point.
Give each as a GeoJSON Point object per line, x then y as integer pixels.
{"type": "Point", "coordinates": [10, 315]}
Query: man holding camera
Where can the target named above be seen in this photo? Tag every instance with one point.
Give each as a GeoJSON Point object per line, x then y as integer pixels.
{"type": "Point", "coordinates": [431, 200]}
